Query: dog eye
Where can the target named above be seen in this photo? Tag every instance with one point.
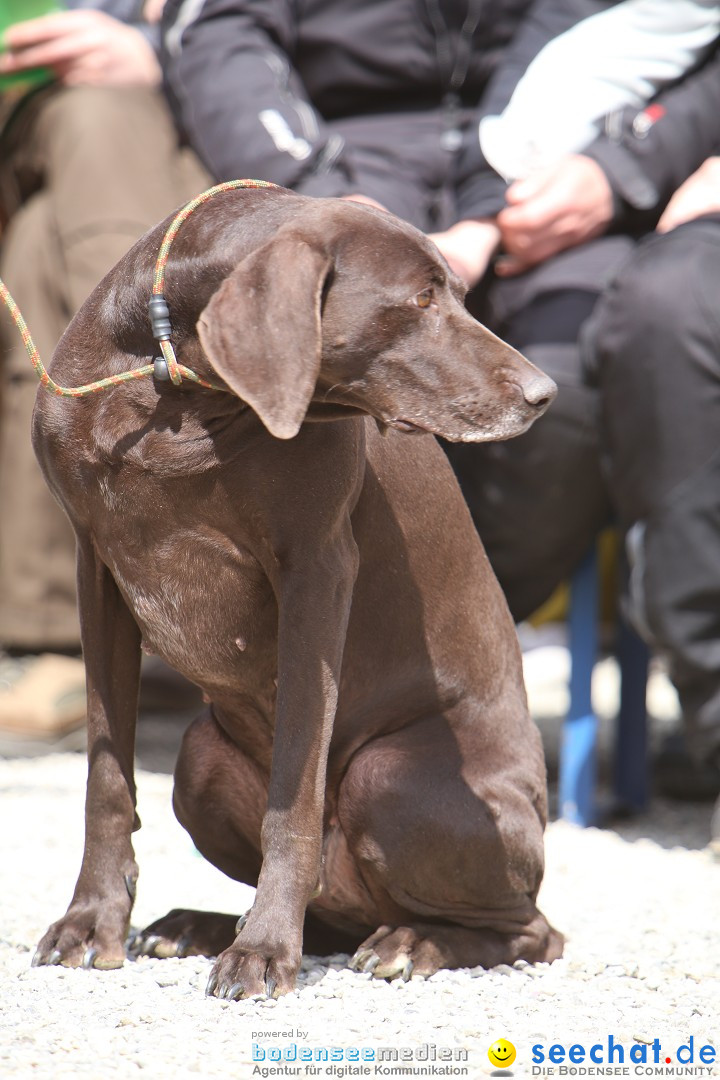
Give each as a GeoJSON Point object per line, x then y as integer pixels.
{"type": "Point", "coordinates": [425, 298]}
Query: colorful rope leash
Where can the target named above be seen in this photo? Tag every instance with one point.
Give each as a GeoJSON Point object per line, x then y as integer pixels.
{"type": "Point", "coordinates": [163, 368]}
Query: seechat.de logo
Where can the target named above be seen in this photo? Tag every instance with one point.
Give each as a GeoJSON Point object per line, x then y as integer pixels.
{"type": "Point", "coordinates": [611, 1057]}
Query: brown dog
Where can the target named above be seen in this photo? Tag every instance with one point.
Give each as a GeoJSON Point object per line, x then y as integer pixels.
{"type": "Point", "coordinates": [367, 758]}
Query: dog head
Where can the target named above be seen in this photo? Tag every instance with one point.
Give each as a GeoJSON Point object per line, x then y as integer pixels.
{"type": "Point", "coordinates": [351, 308]}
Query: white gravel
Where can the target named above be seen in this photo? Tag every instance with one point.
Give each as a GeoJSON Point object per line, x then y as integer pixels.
{"type": "Point", "coordinates": [642, 957]}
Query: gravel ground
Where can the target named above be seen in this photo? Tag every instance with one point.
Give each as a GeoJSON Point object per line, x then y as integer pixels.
{"type": "Point", "coordinates": [639, 906]}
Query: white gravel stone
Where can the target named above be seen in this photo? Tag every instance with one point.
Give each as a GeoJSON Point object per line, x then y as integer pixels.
{"type": "Point", "coordinates": [638, 907]}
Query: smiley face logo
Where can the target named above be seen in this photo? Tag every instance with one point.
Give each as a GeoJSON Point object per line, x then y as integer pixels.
{"type": "Point", "coordinates": [501, 1054]}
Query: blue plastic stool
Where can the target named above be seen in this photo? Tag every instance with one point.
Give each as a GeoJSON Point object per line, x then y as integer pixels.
{"type": "Point", "coordinates": [578, 757]}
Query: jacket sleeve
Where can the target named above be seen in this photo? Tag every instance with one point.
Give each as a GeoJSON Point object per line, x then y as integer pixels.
{"type": "Point", "coordinates": [621, 57]}
{"type": "Point", "coordinates": [481, 190]}
{"type": "Point", "coordinates": [647, 154]}
{"type": "Point", "coordinates": [238, 100]}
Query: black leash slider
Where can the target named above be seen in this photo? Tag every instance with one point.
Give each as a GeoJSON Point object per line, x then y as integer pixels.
{"type": "Point", "coordinates": [161, 329]}
{"type": "Point", "coordinates": [159, 314]}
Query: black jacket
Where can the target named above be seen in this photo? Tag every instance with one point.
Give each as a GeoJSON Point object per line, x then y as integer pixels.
{"type": "Point", "coordinates": [261, 87]}
{"type": "Point", "coordinates": [264, 88]}
{"type": "Point", "coordinates": [646, 154]}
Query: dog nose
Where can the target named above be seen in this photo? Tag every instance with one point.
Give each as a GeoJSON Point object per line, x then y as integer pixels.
{"type": "Point", "coordinates": [539, 391]}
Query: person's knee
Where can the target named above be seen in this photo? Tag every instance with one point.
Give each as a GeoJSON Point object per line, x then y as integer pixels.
{"type": "Point", "coordinates": [653, 344]}
{"type": "Point", "coordinates": [649, 305]}
{"type": "Point", "coordinates": [96, 116]}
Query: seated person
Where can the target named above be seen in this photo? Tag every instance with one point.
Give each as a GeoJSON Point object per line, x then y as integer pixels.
{"type": "Point", "coordinates": [361, 103]}
{"type": "Point", "coordinates": [652, 348]}
{"type": "Point", "coordinates": [87, 163]}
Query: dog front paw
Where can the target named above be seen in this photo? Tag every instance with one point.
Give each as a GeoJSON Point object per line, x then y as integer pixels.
{"type": "Point", "coordinates": [243, 972]}
{"type": "Point", "coordinates": [87, 936]}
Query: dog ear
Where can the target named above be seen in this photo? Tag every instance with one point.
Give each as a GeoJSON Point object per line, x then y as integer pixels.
{"type": "Point", "coordinates": [261, 330]}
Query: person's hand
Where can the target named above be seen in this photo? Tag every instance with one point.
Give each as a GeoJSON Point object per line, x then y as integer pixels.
{"type": "Point", "coordinates": [700, 194]}
{"type": "Point", "coordinates": [365, 200]}
{"type": "Point", "coordinates": [152, 10]}
{"type": "Point", "coordinates": [82, 48]}
{"type": "Point", "coordinates": [468, 247]}
{"type": "Point", "coordinates": [553, 209]}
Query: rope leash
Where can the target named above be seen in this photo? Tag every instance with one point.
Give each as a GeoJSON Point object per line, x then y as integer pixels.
{"type": "Point", "coordinates": [163, 368]}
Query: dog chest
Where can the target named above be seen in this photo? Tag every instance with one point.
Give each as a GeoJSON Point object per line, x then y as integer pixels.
{"type": "Point", "coordinates": [205, 605]}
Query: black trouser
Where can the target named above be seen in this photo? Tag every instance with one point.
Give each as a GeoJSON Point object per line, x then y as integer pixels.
{"type": "Point", "coordinates": [655, 343]}
{"type": "Point", "coordinates": [634, 433]}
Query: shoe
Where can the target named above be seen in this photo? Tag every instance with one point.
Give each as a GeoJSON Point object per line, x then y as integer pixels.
{"type": "Point", "coordinates": [42, 704]}
{"type": "Point", "coordinates": [677, 775]}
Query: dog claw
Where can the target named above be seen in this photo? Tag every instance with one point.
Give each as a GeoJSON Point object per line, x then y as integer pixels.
{"type": "Point", "coordinates": [394, 968]}
{"type": "Point", "coordinates": [147, 945]}
{"type": "Point", "coordinates": [51, 960]}
{"type": "Point", "coordinates": [88, 959]}
{"type": "Point", "coordinates": [365, 960]}
{"type": "Point", "coordinates": [359, 959]}
{"type": "Point", "coordinates": [131, 886]}
{"type": "Point", "coordinates": [235, 992]}
{"type": "Point", "coordinates": [136, 944]}
{"type": "Point", "coordinates": [211, 986]}
{"type": "Point", "coordinates": [241, 922]}
{"type": "Point", "coordinates": [133, 942]}
{"type": "Point", "coordinates": [270, 986]}
{"type": "Point", "coordinates": [182, 946]}
{"type": "Point", "coordinates": [371, 963]}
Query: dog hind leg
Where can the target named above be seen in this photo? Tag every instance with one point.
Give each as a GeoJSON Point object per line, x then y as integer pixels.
{"type": "Point", "coordinates": [453, 864]}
